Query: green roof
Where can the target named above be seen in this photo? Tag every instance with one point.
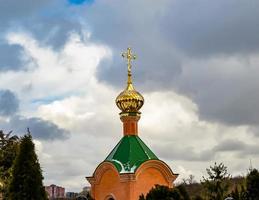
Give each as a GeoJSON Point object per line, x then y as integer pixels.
{"type": "Point", "coordinates": [129, 154]}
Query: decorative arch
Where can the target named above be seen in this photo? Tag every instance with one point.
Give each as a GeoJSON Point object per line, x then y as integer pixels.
{"type": "Point", "coordinates": [160, 166]}
{"type": "Point", "coordinates": [100, 170]}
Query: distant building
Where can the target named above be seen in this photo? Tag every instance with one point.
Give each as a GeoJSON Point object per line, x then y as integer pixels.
{"type": "Point", "coordinates": [55, 191]}
{"type": "Point", "coordinates": [71, 195]}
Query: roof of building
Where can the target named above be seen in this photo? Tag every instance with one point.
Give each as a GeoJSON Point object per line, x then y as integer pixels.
{"type": "Point", "coordinates": [129, 154]}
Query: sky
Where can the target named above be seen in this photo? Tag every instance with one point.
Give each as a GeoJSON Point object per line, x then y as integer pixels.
{"type": "Point", "coordinates": [197, 67]}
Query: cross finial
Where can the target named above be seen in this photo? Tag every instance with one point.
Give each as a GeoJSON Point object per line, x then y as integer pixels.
{"type": "Point", "coordinates": [129, 56]}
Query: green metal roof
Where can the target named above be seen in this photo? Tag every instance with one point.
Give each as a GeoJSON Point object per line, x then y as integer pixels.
{"type": "Point", "coordinates": [129, 154]}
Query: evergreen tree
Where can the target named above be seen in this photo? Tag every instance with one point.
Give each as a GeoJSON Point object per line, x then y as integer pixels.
{"type": "Point", "coordinates": [252, 185]}
{"type": "Point", "coordinates": [26, 182]}
{"type": "Point", "coordinates": [8, 150]}
{"type": "Point", "coordinates": [216, 185]}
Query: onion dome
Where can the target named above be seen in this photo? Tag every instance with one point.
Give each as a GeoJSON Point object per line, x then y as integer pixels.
{"type": "Point", "coordinates": [129, 100]}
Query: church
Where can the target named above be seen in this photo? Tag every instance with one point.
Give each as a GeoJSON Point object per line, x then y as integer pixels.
{"type": "Point", "coordinates": [131, 168]}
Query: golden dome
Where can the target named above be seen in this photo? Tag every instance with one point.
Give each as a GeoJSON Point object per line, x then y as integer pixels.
{"type": "Point", "coordinates": [129, 100]}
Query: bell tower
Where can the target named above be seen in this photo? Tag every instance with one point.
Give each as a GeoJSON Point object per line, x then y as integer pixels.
{"type": "Point", "coordinates": [131, 168]}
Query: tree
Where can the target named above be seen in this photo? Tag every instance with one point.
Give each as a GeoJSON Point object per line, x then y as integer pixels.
{"type": "Point", "coordinates": [182, 190]}
{"type": "Point", "coordinates": [235, 194]}
{"type": "Point", "coordinates": [166, 193]}
{"type": "Point", "coordinates": [190, 180]}
{"type": "Point", "coordinates": [252, 185]}
{"type": "Point", "coordinates": [142, 197]}
{"type": "Point", "coordinates": [216, 185]}
{"type": "Point", "coordinates": [86, 194]}
{"type": "Point", "coordinates": [198, 197]}
{"type": "Point", "coordinates": [8, 150]}
{"type": "Point", "coordinates": [26, 182]}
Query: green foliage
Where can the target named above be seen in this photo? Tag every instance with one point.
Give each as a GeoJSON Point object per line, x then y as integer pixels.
{"type": "Point", "coordinates": [142, 197]}
{"type": "Point", "coordinates": [235, 194]}
{"type": "Point", "coordinates": [26, 182]}
{"type": "Point", "coordinates": [216, 185]}
{"type": "Point", "coordinates": [252, 185]}
{"type": "Point", "coordinates": [198, 197]}
{"type": "Point", "coordinates": [86, 194]}
{"type": "Point", "coordinates": [8, 150]}
{"type": "Point", "coordinates": [183, 192]}
{"type": "Point", "coordinates": [238, 191]}
{"type": "Point", "coordinates": [89, 196]}
{"type": "Point", "coordinates": [164, 193]}
{"type": "Point", "coordinates": [243, 194]}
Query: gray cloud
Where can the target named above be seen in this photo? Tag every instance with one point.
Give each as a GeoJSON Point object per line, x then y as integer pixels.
{"type": "Point", "coordinates": [187, 153]}
{"type": "Point", "coordinates": [230, 145]}
{"type": "Point", "coordinates": [52, 30]}
{"type": "Point", "coordinates": [219, 27]}
{"type": "Point", "coordinates": [11, 57]}
{"type": "Point", "coordinates": [225, 91]}
{"type": "Point", "coordinates": [241, 148]}
{"type": "Point", "coordinates": [13, 10]}
{"type": "Point", "coordinates": [184, 153]}
{"type": "Point", "coordinates": [131, 25]}
{"type": "Point", "coordinates": [39, 128]}
{"type": "Point", "coordinates": [161, 35]}
{"type": "Point", "coordinates": [254, 130]}
{"type": "Point", "coordinates": [36, 18]}
{"type": "Point", "coordinates": [173, 39]}
{"type": "Point", "coordinates": [9, 103]}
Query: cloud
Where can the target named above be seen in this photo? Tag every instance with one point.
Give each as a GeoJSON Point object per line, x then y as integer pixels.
{"type": "Point", "coordinates": [34, 17]}
{"type": "Point", "coordinates": [242, 149]}
{"type": "Point", "coordinates": [75, 63]}
{"type": "Point", "coordinates": [224, 88]}
{"type": "Point", "coordinates": [129, 25]}
{"type": "Point", "coordinates": [54, 31]}
{"type": "Point", "coordinates": [184, 153]}
{"type": "Point", "coordinates": [11, 57]}
{"type": "Point", "coordinates": [48, 21]}
{"type": "Point", "coordinates": [39, 128]}
{"type": "Point", "coordinates": [33, 84]}
{"type": "Point", "coordinates": [204, 28]}
{"type": "Point", "coordinates": [13, 10]}
{"type": "Point", "coordinates": [175, 51]}
{"type": "Point", "coordinates": [188, 47]}
{"type": "Point", "coordinates": [9, 103]}
{"type": "Point", "coordinates": [230, 145]}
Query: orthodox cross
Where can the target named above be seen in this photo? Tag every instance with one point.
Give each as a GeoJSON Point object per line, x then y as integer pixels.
{"type": "Point", "coordinates": [129, 56]}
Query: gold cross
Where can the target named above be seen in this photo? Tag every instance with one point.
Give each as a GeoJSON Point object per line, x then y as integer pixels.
{"type": "Point", "coordinates": [129, 56]}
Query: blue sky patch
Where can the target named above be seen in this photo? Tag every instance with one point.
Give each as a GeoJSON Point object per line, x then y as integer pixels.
{"type": "Point", "coordinates": [79, 2]}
